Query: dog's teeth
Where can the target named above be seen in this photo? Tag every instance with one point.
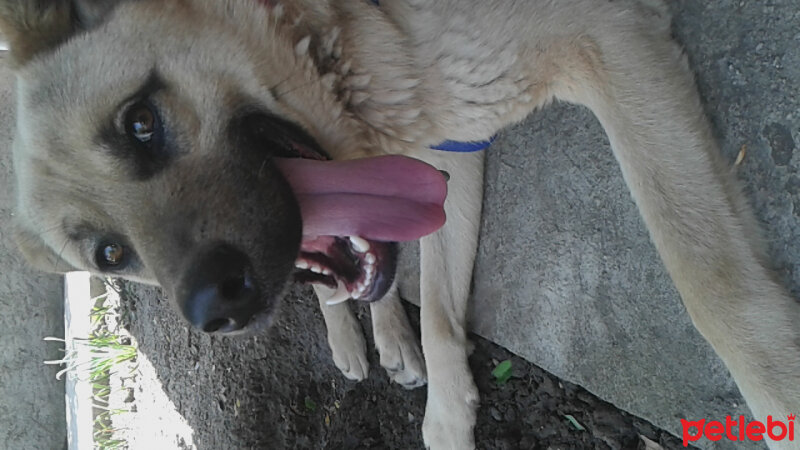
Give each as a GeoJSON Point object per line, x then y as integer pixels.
{"type": "Point", "coordinates": [370, 270]}
{"type": "Point", "coordinates": [300, 264]}
{"type": "Point", "coordinates": [360, 288]}
{"type": "Point", "coordinates": [337, 300]}
{"type": "Point", "coordinates": [326, 271]}
{"type": "Point", "coordinates": [341, 295]}
{"type": "Point", "coordinates": [316, 269]}
{"type": "Point", "coordinates": [370, 258]}
{"type": "Point", "coordinates": [359, 244]}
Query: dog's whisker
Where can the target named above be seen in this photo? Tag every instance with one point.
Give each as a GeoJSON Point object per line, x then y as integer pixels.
{"type": "Point", "coordinates": [274, 87]}
{"type": "Point", "coordinates": [261, 169]}
{"type": "Point", "coordinates": [278, 95]}
{"type": "Point", "coordinates": [60, 253]}
{"type": "Point", "coordinates": [32, 238]}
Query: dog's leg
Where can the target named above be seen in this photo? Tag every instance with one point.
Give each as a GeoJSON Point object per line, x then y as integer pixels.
{"type": "Point", "coordinates": [447, 257]}
{"type": "Point", "coordinates": [638, 83]}
{"type": "Point", "coordinates": [396, 343]}
{"type": "Point", "coordinates": [345, 337]}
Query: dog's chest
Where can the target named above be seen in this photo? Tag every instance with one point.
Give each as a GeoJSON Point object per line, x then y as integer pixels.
{"type": "Point", "coordinates": [435, 70]}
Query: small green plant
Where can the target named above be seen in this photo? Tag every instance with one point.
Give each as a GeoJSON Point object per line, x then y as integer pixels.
{"type": "Point", "coordinates": [310, 404]}
{"type": "Point", "coordinates": [502, 372]}
{"type": "Point", "coordinates": [106, 353]}
{"type": "Point", "coordinates": [104, 433]}
{"type": "Point", "coordinates": [574, 422]}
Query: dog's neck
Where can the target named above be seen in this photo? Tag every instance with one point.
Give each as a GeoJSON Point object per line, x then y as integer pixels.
{"type": "Point", "coordinates": [345, 43]}
{"type": "Point", "coordinates": [365, 60]}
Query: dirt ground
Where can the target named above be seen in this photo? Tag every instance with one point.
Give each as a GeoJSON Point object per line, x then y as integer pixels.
{"type": "Point", "coordinates": [281, 390]}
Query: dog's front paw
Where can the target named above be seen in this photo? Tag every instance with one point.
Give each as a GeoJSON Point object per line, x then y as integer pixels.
{"type": "Point", "coordinates": [349, 348]}
{"type": "Point", "coordinates": [450, 416]}
{"type": "Point", "coordinates": [402, 358]}
{"type": "Point", "coordinates": [397, 344]}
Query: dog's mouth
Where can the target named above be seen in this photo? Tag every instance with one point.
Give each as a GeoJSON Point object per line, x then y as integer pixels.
{"type": "Point", "coordinates": [353, 211]}
{"type": "Point", "coordinates": [354, 267]}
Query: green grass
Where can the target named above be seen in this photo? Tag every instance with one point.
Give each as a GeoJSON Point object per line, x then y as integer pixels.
{"type": "Point", "coordinates": [109, 353]}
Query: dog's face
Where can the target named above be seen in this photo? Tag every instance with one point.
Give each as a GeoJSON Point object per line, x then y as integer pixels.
{"type": "Point", "coordinates": [146, 149]}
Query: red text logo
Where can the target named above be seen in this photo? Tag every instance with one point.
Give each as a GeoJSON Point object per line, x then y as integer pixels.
{"type": "Point", "coordinates": [737, 430]}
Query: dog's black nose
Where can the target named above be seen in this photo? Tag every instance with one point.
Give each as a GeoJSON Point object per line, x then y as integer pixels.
{"type": "Point", "coordinates": [219, 294]}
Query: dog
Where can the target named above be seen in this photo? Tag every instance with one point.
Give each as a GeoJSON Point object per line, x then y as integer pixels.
{"type": "Point", "coordinates": [223, 148]}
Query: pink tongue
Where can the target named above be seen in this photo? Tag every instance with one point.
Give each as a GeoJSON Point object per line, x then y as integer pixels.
{"type": "Point", "coordinates": [384, 198]}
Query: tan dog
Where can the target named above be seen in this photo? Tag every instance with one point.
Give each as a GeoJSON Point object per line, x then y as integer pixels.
{"type": "Point", "coordinates": [148, 130]}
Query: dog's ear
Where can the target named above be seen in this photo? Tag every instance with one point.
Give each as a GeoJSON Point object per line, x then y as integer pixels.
{"type": "Point", "coordinates": [36, 252]}
{"type": "Point", "coordinates": [35, 26]}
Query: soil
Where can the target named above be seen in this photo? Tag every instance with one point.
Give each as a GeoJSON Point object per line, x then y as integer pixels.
{"type": "Point", "coordinates": [281, 390]}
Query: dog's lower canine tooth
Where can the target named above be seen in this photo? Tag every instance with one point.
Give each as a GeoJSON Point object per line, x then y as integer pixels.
{"type": "Point", "coordinates": [337, 300]}
{"type": "Point", "coordinates": [341, 295]}
{"type": "Point", "coordinates": [359, 244]}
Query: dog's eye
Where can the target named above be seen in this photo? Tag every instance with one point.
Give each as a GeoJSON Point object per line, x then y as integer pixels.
{"type": "Point", "coordinates": [110, 255]}
{"type": "Point", "coordinates": [141, 122]}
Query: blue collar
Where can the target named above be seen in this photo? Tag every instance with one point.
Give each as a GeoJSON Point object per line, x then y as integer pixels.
{"type": "Point", "coordinates": [456, 146]}
{"type": "Point", "coordinates": [464, 147]}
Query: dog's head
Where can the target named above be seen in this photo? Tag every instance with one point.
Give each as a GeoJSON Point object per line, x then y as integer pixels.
{"type": "Point", "coordinates": [182, 143]}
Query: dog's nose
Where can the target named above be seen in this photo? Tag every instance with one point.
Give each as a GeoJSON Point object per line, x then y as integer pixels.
{"type": "Point", "coordinates": [219, 294]}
